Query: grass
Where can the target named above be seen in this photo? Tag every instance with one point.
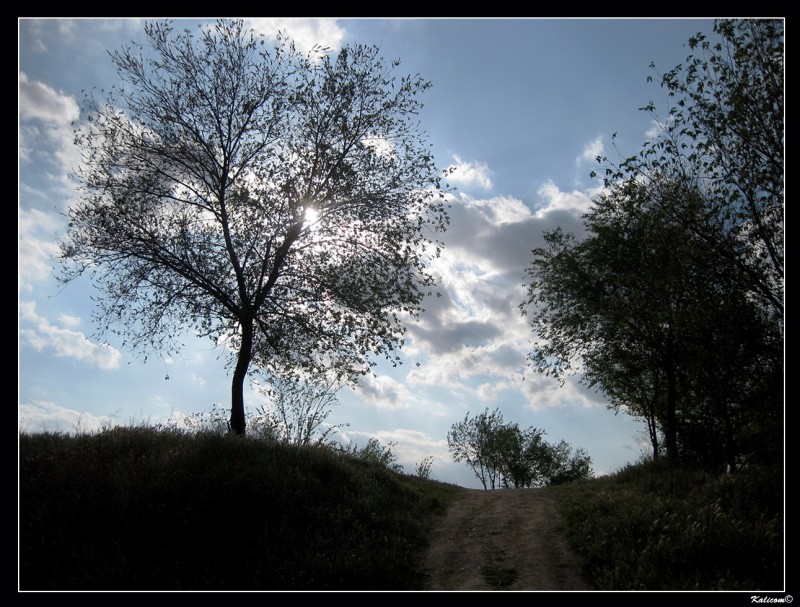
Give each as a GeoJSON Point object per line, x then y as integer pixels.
{"type": "Point", "coordinates": [650, 527]}
{"type": "Point", "coordinates": [140, 509]}
{"type": "Point", "coordinates": [494, 573]}
{"type": "Point", "coordinates": [146, 509]}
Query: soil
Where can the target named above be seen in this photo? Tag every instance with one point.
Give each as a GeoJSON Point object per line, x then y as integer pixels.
{"type": "Point", "coordinates": [509, 539]}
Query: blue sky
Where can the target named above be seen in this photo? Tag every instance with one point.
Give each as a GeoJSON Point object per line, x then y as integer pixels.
{"type": "Point", "coordinates": [520, 107]}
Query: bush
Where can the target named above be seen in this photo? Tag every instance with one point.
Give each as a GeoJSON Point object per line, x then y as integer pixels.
{"type": "Point", "coordinates": [650, 527]}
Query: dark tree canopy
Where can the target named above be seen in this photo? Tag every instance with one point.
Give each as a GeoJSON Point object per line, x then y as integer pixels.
{"type": "Point", "coordinates": [504, 455]}
{"type": "Point", "coordinates": [285, 204]}
{"type": "Point", "coordinates": [673, 303]}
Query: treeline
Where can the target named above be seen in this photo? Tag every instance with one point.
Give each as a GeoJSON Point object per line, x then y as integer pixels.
{"type": "Point", "coordinates": [504, 455]}
{"type": "Point", "coordinates": [673, 303]}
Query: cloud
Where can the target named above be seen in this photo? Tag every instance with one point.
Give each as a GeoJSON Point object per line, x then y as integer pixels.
{"type": "Point", "coordinates": [576, 202]}
{"type": "Point", "coordinates": [65, 30]}
{"type": "Point", "coordinates": [591, 151]}
{"type": "Point", "coordinates": [409, 446]}
{"type": "Point", "coordinates": [306, 33]}
{"type": "Point", "coordinates": [47, 153]}
{"type": "Point", "coordinates": [472, 341]}
{"type": "Point", "coordinates": [69, 321]}
{"type": "Point", "coordinates": [66, 27]}
{"type": "Point", "coordinates": [36, 31]}
{"type": "Point", "coordinates": [45, 416]}
{"type": "Point", "coordinates": [542, 392]}
{"type": "Point", "coordinates": [64, 343]}
{"type": "Point", "coordinates": [36, 246]}
{"type": "Point", "coordinates": [498, 210]}
{"type": "Point", "coordinates": [470, 173]}
{"type": "Point", "coordinates": [414, 446]}
{"type": "Point", "coordinates": [39, 101]}
{"type": "Point", "coordinates": [384, 392]}
{"type": "Point", "coordinates": [658, 127]}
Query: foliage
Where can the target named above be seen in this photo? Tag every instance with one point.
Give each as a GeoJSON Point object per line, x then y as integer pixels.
{"type": "Point", "coordinates": [570, 466]}
{"type": "Point", "coordinates": [504, 455]}
{"type": "Point", "coordinates": [280, 203]}
{"type": "Point", "coordinates": [725, 133]}
{"type": "Point", "coordinates": [375, 453]}
{"type": "Point", "coordinates": [672, 304]}
{"type": "Point", "coordinates": [299, 410]}
{"type": "Point", "coordinates": [423, 468]}
{"type": "Point", "coordinates": [471, 441]}
{"type": "Point", "coordinates": [649, 527]}
{"type": "Point", "coordinates": [146, 509]}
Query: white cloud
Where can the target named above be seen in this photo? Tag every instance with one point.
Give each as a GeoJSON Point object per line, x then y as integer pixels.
{"type": "Point", "coordinates": [36, 246]}
{"type": "Point", "coordinates": [470, 173]}
{"type": "Point", "coordinates": [473, 342]}
{"type": "Point", "coordinates": [657, 127]}
{"type": "Point", "coordinates": [576, 202]}
{"type": "Point", "coordinates": [63, 342]}
{"type": "Point", "coordinates": [591, 151]}
{"type": "Point", "coordinates": [306, 33]}
{"type": "Point", "coordinates": [498, 210]}
{"type": "Point", "coordinates": [44, 416]}
{"type": "Point", "coordinates": [414, 446]}
{"type": "Point", "coordinates": [410, 446]}
{"type": "Point", "coordinates": [384, 392]}
{"type": "Point", "coordinates": [488, 392]}
{"type": "Point", "coordinates": [39, 101]}
{"type": "Point", "coordinates": [542, 392]}
{"type": "Point", "coordinates": [47, 153]}
{"type": "Point", "coordinates": [69, 321]}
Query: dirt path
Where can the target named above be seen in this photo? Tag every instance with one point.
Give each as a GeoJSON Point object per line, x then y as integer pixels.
{"type": "Point", "coordinates": [506, 539]}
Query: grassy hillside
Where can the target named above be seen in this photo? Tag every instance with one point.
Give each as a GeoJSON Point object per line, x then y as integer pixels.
{"type": "Point", "coordinates": [650, 527]}
{"type": "Point", "coordinates": [141, 509]}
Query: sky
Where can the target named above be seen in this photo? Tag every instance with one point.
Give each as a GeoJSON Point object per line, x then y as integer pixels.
{"type": "Point", "coordinates": [519, 108]}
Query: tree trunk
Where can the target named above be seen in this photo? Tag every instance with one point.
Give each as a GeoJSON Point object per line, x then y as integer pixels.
{"type": "Point", "coordinates": [652, 429]}
{"type": "Point", "coordinates": [671, 427]}
{"type": "Point", "coordinates": [238, 423]}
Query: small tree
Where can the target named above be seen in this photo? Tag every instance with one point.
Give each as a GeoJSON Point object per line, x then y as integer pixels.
{"type": "Point", "coordinates": [423, 468]}
{"type": "Point", "coordinates": [522, 457]}
{"type": "Point", "coordinates": [299, 409]}
{"type": "Point", "coordinates": [282, 204]}
{"type": "Point", "coordinates": [473, 442]}
{"type": "Point", "coordinates": [568, 466]}
{"type": "Point", "coordinates": [376, 453]}
{"type": "Point", "coordinates": [505, 455]}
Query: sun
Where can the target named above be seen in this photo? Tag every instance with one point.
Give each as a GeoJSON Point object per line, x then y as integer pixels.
{"type": "Point", "coordinates": [311, 216]}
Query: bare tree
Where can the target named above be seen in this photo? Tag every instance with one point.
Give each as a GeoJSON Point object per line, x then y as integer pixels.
{"type": "Point", "coordinates": [300, 408]}
{"type": "Point", "coordinates": [285, 204]}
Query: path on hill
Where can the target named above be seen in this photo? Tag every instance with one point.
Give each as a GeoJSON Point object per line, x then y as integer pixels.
{"type": "Point", "coordinates": [508, 539]}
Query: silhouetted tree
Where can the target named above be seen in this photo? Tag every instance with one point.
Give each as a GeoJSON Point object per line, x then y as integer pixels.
{"type": "Point", "coordinates": [473, 441]}
{"type": "Point", "coordinates": [505, 455]}
{"type": "Point", "coordinates": [299, 408]}
{"type": "Point", "coordinates": [280, 203]}
{"type": "Point", "coordinates": [673, 303]}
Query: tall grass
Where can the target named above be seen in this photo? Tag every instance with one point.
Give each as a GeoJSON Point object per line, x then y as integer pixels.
{"type": "Point", "coordinates": [650, 527]}
{"type": "Point", "coordinates": [140, 509]}
{"type": "Point", "coordinates": [147, 509]}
